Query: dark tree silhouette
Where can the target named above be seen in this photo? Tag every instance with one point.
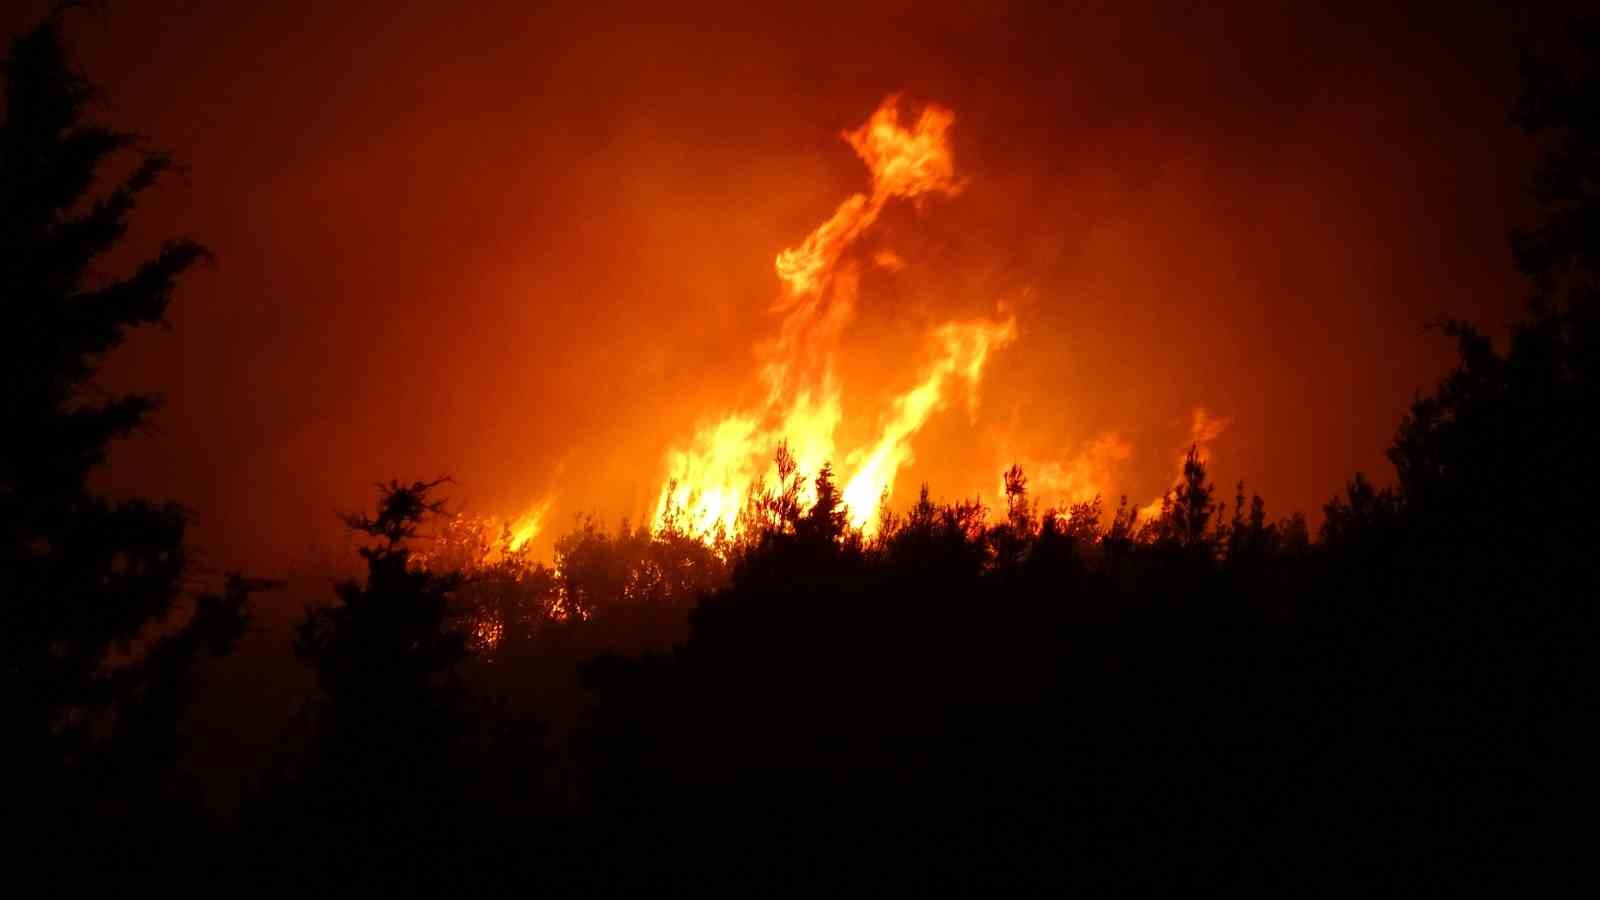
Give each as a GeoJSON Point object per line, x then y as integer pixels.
{"type": "Point", "coordinates": [825, 521]}
{"type": "Point", "coordinates": [82, 577]}
{"type": "Point", "coordinates": [1561, 252]}
{"type": "Point", "coordinates": [1188, 515]}
{"type": "Point", "coordinates": [387, 647]}
{"type": "Point", "coordinates": [387, 771]}
{"type": "Point", "coordinates": [1495, 466]}
{"type": "Point", "coordinates": [1011, 539]}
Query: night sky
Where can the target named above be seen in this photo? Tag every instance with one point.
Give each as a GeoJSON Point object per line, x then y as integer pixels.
{"type": "Point", "coordinates": [532, 248]}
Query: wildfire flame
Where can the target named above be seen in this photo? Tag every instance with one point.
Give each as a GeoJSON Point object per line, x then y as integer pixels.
{"type": "Point", "coordinates": [711, 478]}
{"type": "Point", "coordinates": [1083, 477]}
{"type": "Point", "coordinates": [966, 347]}
{"type": "Point", "coordinates": [527, 526]}
{"type": "Point", "coordinates": [709, 481]}
{"type": "Point", "coordinates": [468, 541]}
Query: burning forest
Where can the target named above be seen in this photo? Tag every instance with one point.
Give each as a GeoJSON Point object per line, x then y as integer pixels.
{"type": "Point", "coordinates": [931, 568]}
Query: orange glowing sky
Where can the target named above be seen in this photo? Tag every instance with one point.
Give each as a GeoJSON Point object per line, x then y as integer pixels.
{"type": "Point", "coordinates": [534, 248]}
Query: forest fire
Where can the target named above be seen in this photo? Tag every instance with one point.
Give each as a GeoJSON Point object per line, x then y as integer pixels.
{"type": "Point", "coordinates": [518, 248]}
{"type": "Point", "coordinates": [712, 479]}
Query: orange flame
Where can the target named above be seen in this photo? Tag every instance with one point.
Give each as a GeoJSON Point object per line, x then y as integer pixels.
{"type": "Point", "coordinates": [966, 346]}
{"type": "Point", "coordinates": [904, 163]}
{"type": "Point", "coordinates": [527, 526]}
{"type": "Point", "coordinates": [1087, 475]}
{"type": "Point", "coordinates": [469, 541]}
{"type": "Point", "coordinates": [710, 481]}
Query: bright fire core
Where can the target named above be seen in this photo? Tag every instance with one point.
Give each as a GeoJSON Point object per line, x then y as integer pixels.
{"type": "Point", "coordinates": [710, 481]}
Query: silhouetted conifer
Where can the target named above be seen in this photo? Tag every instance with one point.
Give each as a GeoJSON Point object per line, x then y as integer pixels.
{"type": "Point", "coordinates": [82, 577]}
{"type": "Point", "coordinates": [390, 642]}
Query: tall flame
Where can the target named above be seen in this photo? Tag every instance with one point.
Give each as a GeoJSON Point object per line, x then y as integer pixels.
{"type": "Point", "coordinates": [966, 346]}
{"type": "Point", "coordinates": [904, 163]}
{"type": "Point", "coordinates": [709, 481]}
